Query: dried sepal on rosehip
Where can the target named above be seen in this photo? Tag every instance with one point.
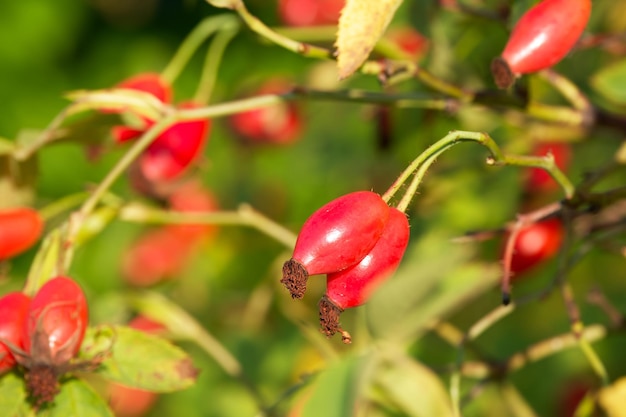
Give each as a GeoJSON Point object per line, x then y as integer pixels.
{"type": "Point", "coordinates": [541, 38]}
{"type": "Point", "coordinates": [337, 236]}
{"type": "Point", "coordinates": [352, 287]}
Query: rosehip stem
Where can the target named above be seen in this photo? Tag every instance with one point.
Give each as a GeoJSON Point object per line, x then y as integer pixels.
{"type": "Point", "coordinates": [571, 93]}
{"type": "Point", "coordinates": [193, 41]}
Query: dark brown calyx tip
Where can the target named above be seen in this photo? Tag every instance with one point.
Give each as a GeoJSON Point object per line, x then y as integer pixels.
{"type": "Point", "coordinates": [329, 320]}
{"type": "Point", "coordinates": [502, 74]}
{"type": "Point", "coordinates": [42, 384]}
{"type": "Point", "coordinates": [294, 279]}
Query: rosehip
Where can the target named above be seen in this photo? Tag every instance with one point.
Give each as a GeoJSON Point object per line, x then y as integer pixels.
{"type": "Point", "coordinates": [56, 322]}
{"type": "Point", "coordinates": [534, 244]}
{"type": "Point", "coordinates": [353, 286]}
{"type": "Point", "coordinates": [277, 124]}
{"type": "Point", "coordinates": [539, 179]}
{"type": "Point", "coordinates": [20, 228]}
{"type": "Point", "coordinates": [337, 236]}
{"type": "Point", "coordinates": [192, 197]}
{"type": "Point", "coordinates": [541, 38]}
{"type": "Point", "coordinates": [13, 311]}
{"type": "Point", "coordinates": [173, 151]}
{"type": "Point", "coordinates": [310, 12]}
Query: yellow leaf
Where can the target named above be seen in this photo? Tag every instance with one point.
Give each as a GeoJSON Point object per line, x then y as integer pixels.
{"type": "Point", "coordinates": [361, 24]}
{"type": "Point", "coordinates": [613, 398]}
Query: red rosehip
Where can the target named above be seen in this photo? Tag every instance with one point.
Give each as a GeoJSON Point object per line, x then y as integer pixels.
{"type": "Point", "coordinates": [337, 236]}
{"type": "Point", "coordinates": [193, 197]}
{"type": "Point", "coordinates": [13, 312]}
{"type": "Point", "coordinates": [538, 179]}
{"type": "Point", "coordinates": [541, 38]}
{"type": "Point", "coordinates": [534, 244]}
{"type": "Point", "coordinates": [157, 255]}
{"type": "Point", "coordinates": [410, 41]}
{"type": "Point", "coordinates": [56, 322]}
{"type": "Point", "coordinates": [310, 12]}
{"type": "Point", "coordinates": [353, 286]}
{"type": "Point", "coordinates": [278, 124]}
{"type": "Point", "coordinates": [20, 228]}
{"type": "Point", "coordinates": [173, 151]}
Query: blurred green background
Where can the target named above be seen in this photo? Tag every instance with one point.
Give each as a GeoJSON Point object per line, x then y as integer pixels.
{"type": "Point", "coordinates": [50, 48]}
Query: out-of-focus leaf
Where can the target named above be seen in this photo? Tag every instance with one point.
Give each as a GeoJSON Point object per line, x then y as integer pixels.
{"type": "Point", "coordinates": [46, 262]}
{"type": "Point", "coordinates": [336, 390]}
{"type": "Point", "coordinates": [95, 223]}
{"type": "Point", "coordinates": [620, 155]}
{"type": "Point", "coordinates": [610, 82]}
{"type": "Point", "coordinates": [361, 24]}
{"type": "Point", "coordinates": [77, 398]}
{"type": "Point", "coordinates": [13, 397]}
{"type": "Point", "coordinates": [613, 398]}
{"type": "Point", "coordinates": [516, 402]}
{"type": "Point", "coordinates": [6, 146]}
{"type": "Point", "coordinates": [139, 360]}
{"type": "Point", "coordinates": [436, 279]}
{"type": "Point", "coordinates": [115, 100]}
{"type": "Point", "coordinates": [224, 4]}
{"type": "Point", "coordinates": [518, 8]}
{"type": "Point", "coordinates": [17, 181]}
{"type": "Point", "coordinates": [412, 387]}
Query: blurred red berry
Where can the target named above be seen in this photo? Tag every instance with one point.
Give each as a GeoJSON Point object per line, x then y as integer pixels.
{"type": "Point", "coordinates": [539, 179]}
{"type": "Point", "coordinates": [310, 12]}
{"type": "Point", "coordinates": [20, 228]}
{"type": "Point", "coordinates": [13, 313]}
{"type": "Point", "coordinates": [278, 124]}
{"type": "Point", "coordinates": [535, 244]}
{"type": "Point", "coordinates": [410, 41]}
{"type": "Point", "coordinates": [193, 197]}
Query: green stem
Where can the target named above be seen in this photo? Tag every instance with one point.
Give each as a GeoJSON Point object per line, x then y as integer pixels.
{"type": "Point", "coordinates": [262, 29]}
{"type": "Point", "coordinates": [243, 216]}
{"type": "Point", "coordinates": [594, 360]}
{"type": "Point", "coordinates": [193, 41]}
{"type": "Point", "coordinates": [213, 60]}
{"type": "Point", "coordinates": [572, 93]}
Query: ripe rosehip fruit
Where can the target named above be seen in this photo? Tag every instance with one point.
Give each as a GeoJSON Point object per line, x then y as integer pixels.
{"type": "Point", "coordinates": [278, 124]}
{"type": "Point", "coordinates": [13, 311]}
{"type": "Point", "coordinates": [310, 12]}
{"type": "Point", "coordinates": [353, 286]}
{"type": "Point", "coordinates": [20, 228]}
{"type": "Point", "coordinates": [56, 322]}
{"type": "Point", "coordinates": [337, 236]}
{"type": "Point", "coordinates": [534, 244]}
{"type": "Point", "coordinates": [157, 255]}
{"type": "Point", "coordinates": [540, 180]}
{"type": "Point", "coordinates": [173, 151]}
{"type": "Point", "coordinates": [541, 38]}
{"type": "Point", "coordinates": [193, 197]}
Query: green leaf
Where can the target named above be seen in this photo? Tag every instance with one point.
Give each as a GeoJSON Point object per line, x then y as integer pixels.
{"type": "Point", "coordinates": [95, 223]}
{"type": "Point", "coordinates": [139, 360]}
{"type": "Point", "coordinates": [361, 25]}
{"type": "Point", "coordinates": [6, 146]}
{"type": "Point", "coordinates": [438, 279]}
{"type": "Point", "coordinates": [610, 82]}
{"type": "Point", "coordinates": [13, 401]}
{"type": "Point", "coordinates": [336, 389]}
{"type": "Point", "coordinates": [413, 388]}
{"type": "Point", "coordinates": [613, 398]}
{"type": "Point", "coordinates": [77, 398]}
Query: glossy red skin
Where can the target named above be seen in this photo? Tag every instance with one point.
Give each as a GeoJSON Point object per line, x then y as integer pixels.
{"type": "Point", "coordinates": [279, 124]}
{"type": "Point", "coordinates": [545, 34]}
{"type": "Point", "coordinates": [535, 244]}
{"type": "Point", "coordinates": [193, 197]}
{"type": "Point", "coordinates": [174, 150]}
{"type": "Point", "coordinates": [157, 255]}
{"type": "Point", "coordinates": [59, 310]}
{"type": "Point", "coordinates": [341, 233]}
{"type": "Point", "coordinates": [540, 180]}
{"type": "Point", "coordinates": [352, 287]}
{"type": "Point", "coordinates": [20, 228]}
{"type": "Point", "coordinates": [310, 12]}
{"type": "Point", "coordinates": [13, 312]}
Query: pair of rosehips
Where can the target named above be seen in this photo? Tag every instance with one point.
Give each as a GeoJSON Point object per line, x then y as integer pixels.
{"type": "Point", "coordinates": [43, 334]}
{"type": "Point", "coordinates": [358, 241]}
